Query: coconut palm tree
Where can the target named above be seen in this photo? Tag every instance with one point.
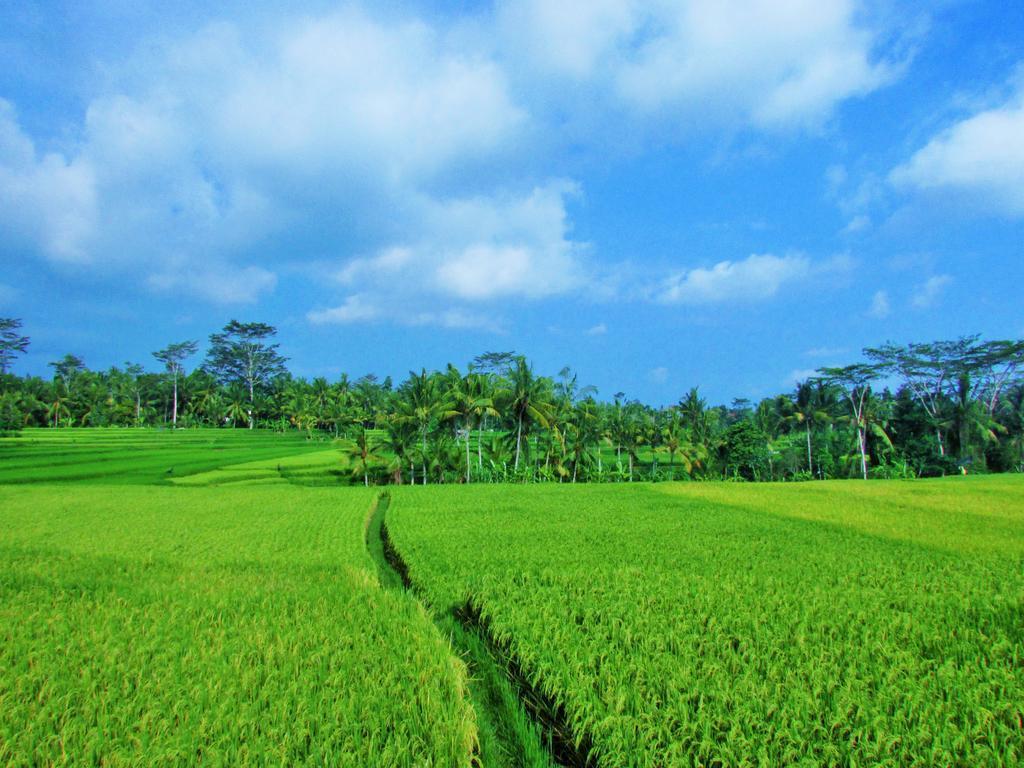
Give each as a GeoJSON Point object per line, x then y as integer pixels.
{"type": "Point", "coordinates": [399, 442]}
{"type": "Point", "coordinates": [237, 406]}
{"type": "Point", "coordinates": [974, 423]}
{"type": "Point", "coordinates": [58, 405]}
{"type": "Point", "coordinates": [582, 432]}
{"type": "Point", "coordinates": [467, 404]}
{"type": "Point", "coordinates": [808, 408]}
{"type": "Point", "coordinates": [423, 405]}
{"type": "Point", "coordinates": [362, 451]}
{"type": "Point", "coordinates": [529, 401]}
{"type": "Point", "coordinates": [673, 434]}
{"type": "Point", "coordinates": [499, 452]}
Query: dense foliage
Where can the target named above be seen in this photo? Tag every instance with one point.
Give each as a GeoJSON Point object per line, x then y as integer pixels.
{"type": "Point", "coordinates": [915, 410]}
{"type": "Point", "coordinates": [714, 624]}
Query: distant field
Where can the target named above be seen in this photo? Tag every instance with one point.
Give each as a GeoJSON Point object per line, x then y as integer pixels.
{"type": "Point", "coordinates": [145, 626]}
{"type": "Point", "coordinates": [141, 456]}
{"type": "Point", "coordinates": [813, 624]}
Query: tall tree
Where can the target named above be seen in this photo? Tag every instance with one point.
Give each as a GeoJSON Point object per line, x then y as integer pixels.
{"type": "Point", "coordinates": [12, 343]}
{"type": "Point", "coordinates": [423, 404]}
{"type": "Point", "coordinates": [529, 399]}
{"type": "Point", "coordinates": [808, 409]}
{"type": "Point", "coordinates": [241, 353]}
{"type": "Point", "coordinates": [931, 371]}
{"type": "Point", "coordinates": [172, 356]}
{"type": "Point", "coordinates": [363, 452]}
{"type": "Point", "coordinates": [467, 404]}
{"type": "Point", "coordinates": [856, 382]}
{"type": "Point", "coordinates": [67, 368]}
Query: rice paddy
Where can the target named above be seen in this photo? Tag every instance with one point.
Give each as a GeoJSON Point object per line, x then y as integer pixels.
{"type": "Point", "coordinates": [166, 626]}
{"type": "Point", "coordinates": [230, 613]}
{"type": "Point", "coordinates": [748, 625]}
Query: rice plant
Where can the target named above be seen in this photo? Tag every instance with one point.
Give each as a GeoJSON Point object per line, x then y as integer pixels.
{"type": "Point", "coordinates": [738, 625]}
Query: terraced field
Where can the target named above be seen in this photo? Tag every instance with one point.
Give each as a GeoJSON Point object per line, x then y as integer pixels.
{"type": "Point", "coordinates": [141, 456]}
{"type": "Point", "coordinates": [819, 624]}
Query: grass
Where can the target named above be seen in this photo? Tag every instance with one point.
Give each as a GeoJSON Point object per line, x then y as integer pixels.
{"type": "Point", "coordinates": [147, 626]}
{"type": "Point", "coordinates": [824, 624]}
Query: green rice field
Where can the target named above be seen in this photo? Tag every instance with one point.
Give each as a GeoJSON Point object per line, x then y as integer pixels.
{"type": "Point", "coordinates": [821, 624]}
{"type": "Point", "coordinates": [248, 609]}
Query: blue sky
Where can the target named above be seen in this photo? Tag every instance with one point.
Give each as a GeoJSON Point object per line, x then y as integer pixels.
{"type": "Point", "coordinates": [659, 194]}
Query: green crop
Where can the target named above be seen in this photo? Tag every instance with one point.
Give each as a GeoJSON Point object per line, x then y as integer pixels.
{"type": "Point", "coordinates": [241, 626]}
{"type": "Point", "coordinates": [815, 624]}
{"type": "Point", "coordinates": [142, 456]}
{"type": "Point", "coordinates": [171, 597]}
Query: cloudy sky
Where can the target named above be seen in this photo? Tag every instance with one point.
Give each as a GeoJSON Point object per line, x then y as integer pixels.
{"type": "Point", "coordinates": [728, 193]}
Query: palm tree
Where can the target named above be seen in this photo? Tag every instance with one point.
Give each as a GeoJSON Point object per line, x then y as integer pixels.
{"type": "Point", "coordinates": [58, 406]}
{"type": "Point", "coordinates": [672, 436]}
{"type": "Point", "coordinates": [467, 404]}
{"type": "Point", "coordinates": [499, 452]}
{"type": "Point", "coordinates": [694, 411]}
{"type": "Point", "coordinates": [399, 441]}
{"type": "Point", "coordinates": [320, 395]}
{"type": "Point", "coordinates": [362, 450]}
{"type": "Point", "coordinates": [1012, 407]}
{"type": "Point", "coordinates": [871, 422]}
{"type": "Point", "coordinates": [484, 386]}
{"type": "Point", "coordinates": [237, 406]}
{"type": "Point", "coordinates": [807, 408]}
{"type": "Point", "coordinates": [632, 436]}
{"type": "Point", "coordinates": [530, 401]}
{"type": "Point", "coordinates": [582, 431]}
{"type": "Point", "coordinates": [424, 405]}
{"type": "Point", "coordinates": [974, 423]}
{"type": "Point", "coordinates": [616, 425]}
{"type": "Point", "coordinates": [855, 381]}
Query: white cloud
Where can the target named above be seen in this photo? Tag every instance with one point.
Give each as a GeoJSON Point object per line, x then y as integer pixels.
{"type": "Point", "coordinates": [458, 319]}
{"type": "Point", "coordinates": [928, 293]}
{"type": "Point", "coordinates": [759, 276]}
{"type": "Point", "coordinates": [216, 284]}
{"type": "Point", "coordinates": [597, 330]}
{"type": "Point", "coordinates": [356, 308]}
{"type": "Point", "coordinates": [505, 245]}
{"type": "Point", "coordinates": [362, 308]}
{"type": "Point", "coordinates": [205, 164]}
{"type": "Point", "coordinates": [468, 251]}
{"type": "Point", "coordinates": [769, 63]}
{"type": "Point", "coordinates": [390, 261]}
{"type": "Point", "coordinates": [201, 150]}
{"type": "Point", "coordinates": [346, 90]}
{"type": "Point", "coordinates": [880, 306]}
{"type": "Point", "coordinates": [46, 201]}
{"type": "Point", "coordinates": [982, 156]}
{"type": "Point", "coordinates": [566, 38]}
{"type": "Point", "coordinates": [835, 178]}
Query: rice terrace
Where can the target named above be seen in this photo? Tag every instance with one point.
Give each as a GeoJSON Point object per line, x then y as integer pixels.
{"type": "Point", "coordinates": [247, 596]}
{"type": "Point", "coordinates": [512, 384]}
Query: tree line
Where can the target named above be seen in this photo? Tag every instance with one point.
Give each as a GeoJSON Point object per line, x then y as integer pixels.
{"type": "Point", "coordinates": [920, 409]}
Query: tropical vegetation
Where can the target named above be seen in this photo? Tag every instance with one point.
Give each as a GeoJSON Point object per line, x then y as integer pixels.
{"type": "Point", "coordinates": [908, 410]}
